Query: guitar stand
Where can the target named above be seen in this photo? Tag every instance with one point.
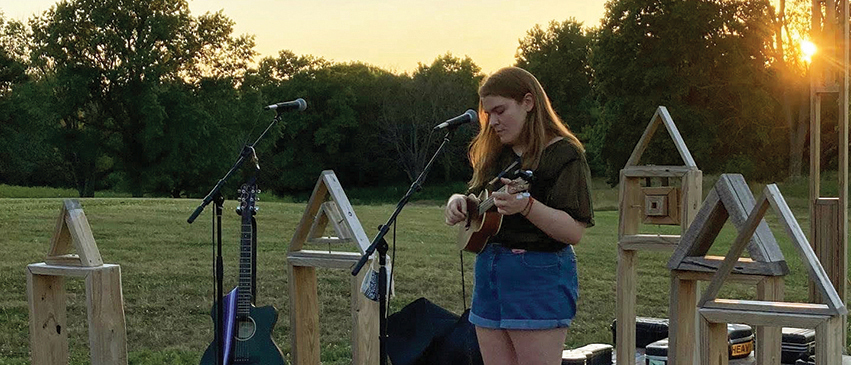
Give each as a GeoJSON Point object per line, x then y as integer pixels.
{"type": "Point", "coordinates": [381, 245]}
{"type": "Point", "coordinates": [218, 202]}
{"type": "Point", "coordinates": [215, 196]}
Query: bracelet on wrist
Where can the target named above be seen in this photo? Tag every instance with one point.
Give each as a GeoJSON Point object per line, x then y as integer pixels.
{"type": "Point", "coordinates": [528, 207]}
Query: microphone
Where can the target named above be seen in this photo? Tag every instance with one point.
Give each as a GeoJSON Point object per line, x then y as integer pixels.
{"type": "Point", "coordinates": [299, 104]}
{"type": "Point", "coordinates": [468, 116]}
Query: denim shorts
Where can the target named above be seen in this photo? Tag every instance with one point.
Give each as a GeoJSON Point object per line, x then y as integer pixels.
{"type": "Point", "coordinates": [526, 291]}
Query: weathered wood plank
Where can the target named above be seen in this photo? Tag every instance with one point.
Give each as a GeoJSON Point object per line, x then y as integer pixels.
{"type": "Point", "coordinates": [738, 200]}
{"type": "Point", "coordinates": [105, 309]}
{"type": "Point", "coordinates": [730, 260]}
{"type": "Point", "coordinates": [770, 306]}
{"type": "Point", "coordinates": [48, 319]}
{"type": "Point", "coordinates": [701, 233]}
{"type": "Point", "coordinates": [682, 334]}
{"type": "Point", "coordinates": [656, 171]}
{"type": "Point", "coordinates": [626, 285]}
{"type": "Point", "coordinates": [799, 240]}
{"type": "Point", "coordinates": [762, 318]}
{"type": "Point", "coordinates": [713, 338]}
{"type": "Point", "coordinates": [661, 117]}
{"type": "Point", "coordinates": [346, 210]}
{"type": "Point", "coordinates": [320, 192]}
{"type": "Point", "coordinates": [365, 316]}
{"type": "Point", "coordinates": [744, 266]}
{"type": "Point", "coordinates": [333, 260]}
{"type": "Point", "coordinates": [73, 271]}
{"type": "Point", "coordinates": [644, 140]}
{"type": "Point", "coordinates": [770, 338]}
{"type": "Point", "coordinates": [304, 315]}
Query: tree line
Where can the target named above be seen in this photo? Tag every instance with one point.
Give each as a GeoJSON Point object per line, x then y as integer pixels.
{"type": "Point", "coordinates": [147, 98]}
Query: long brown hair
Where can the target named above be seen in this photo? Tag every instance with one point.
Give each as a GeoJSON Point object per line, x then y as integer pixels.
{"type": "Point", "coordinates": [542, 123]}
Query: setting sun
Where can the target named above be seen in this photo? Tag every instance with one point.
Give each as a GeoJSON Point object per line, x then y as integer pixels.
{"type": "Point", "coordinates": [808, 49]}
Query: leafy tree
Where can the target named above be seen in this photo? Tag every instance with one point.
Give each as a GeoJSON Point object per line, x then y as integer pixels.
{"type": "Point", "coordinates": [13, 45]}
{"type": "Point", "coordinates": [792, 87]}
{"type": "Point", "coordinates": [14, 39]}
{"type": "Point", "coordinates": [361, 121]}
{"type": "Point", "coordinates": [433, 93]}
{"type": "Point", "coordinates": [28, 139]}
{"type": "Point", "coordinates": [705, 60]}
{"type": "Point", "coordinates": [337, 131]}
{"type": "Point", "coordinates": [28, 154]}
{"type": "Point", "coordinates": [287, 64]}
{"type": "Point", "coordinates": [110, 60]}
{"type": "Point", "coordinates": [558, 57]}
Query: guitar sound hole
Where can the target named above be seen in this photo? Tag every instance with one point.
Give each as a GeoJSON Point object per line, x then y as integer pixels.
{"type": "Point", "coordinates": [245, 329]}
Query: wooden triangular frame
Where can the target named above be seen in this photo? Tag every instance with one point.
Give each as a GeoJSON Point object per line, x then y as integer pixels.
{"type": "Point", "coordinates": [329, 212]}
{"type": "Point", "coordinates": [661, 116]}
{"type": "Point", "coordinates": [320, 210]}
{"type": "Point", "coordinates": [771, 197]}
{"type": "Point", "coordinates": [730, 199]}
{"type": "Point", "coordinates": [73, 234]}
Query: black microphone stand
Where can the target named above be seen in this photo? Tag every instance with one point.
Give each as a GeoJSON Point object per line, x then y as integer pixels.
{"type": "Point", "coordinates": [381, 245]}
{"type": "Point", "coordinates": [215, 196]}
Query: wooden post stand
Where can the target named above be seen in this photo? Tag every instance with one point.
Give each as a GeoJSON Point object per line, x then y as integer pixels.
{"type": "Point", "coordinates": [302, 264]}
{"type": "Point", "coordinates": [104, 298]}
{"type": "Point", "coordinates": [829, 81]}
{"type": "Point", "coordinates": [662, 205]}
{"type": "Point", "coordinates": [105, 310]}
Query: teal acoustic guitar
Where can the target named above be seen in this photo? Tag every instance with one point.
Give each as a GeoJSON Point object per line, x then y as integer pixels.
{"type": "Point", "coordinates": [250, 340]}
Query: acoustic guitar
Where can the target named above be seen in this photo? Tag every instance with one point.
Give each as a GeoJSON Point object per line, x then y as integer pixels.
{"type": "Point", "coordinates": [249, 340]}
{"type": "Point", "coordinates": [483, 221]}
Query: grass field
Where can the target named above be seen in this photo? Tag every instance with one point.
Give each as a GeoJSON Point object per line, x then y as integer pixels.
{"type": "Point", "coordinates": [168, 283]}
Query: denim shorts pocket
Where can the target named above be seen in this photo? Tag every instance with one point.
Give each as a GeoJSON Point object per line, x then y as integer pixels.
{"type": "Point", "coordinates": [540, 260]}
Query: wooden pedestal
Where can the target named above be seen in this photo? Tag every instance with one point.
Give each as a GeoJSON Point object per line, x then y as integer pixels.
{"type": "Point", "coordinates": [105, 310]}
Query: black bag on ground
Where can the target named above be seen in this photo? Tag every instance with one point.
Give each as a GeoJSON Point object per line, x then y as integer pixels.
{"type": "Point", "coordinates": [458, 347]}
{"type": "Point", "coordinates": [647, 330]}
{"type": "Point", "coordinates": [413, 331]}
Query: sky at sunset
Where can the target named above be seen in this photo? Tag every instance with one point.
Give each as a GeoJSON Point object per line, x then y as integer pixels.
{"type": "Point", "coordinates": [391, 34]}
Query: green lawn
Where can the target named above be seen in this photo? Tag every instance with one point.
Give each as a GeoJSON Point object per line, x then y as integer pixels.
{"type": "Point", "coordinates": [168, 284]}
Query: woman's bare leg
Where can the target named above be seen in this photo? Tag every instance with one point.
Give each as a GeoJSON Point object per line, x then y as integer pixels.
{"type": "Point", "coordinates": [538, 347]}
{"type": "Point", "coordinates": [496, 347]}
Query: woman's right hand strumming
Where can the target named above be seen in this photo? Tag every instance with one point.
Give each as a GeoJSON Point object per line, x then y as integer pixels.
{"type": "Point", "coordinates": [456, 208]}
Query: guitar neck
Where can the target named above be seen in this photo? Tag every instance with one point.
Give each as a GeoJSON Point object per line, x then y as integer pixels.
{"type": "Point", "coordinates": [488, 203]}
{"type": "Point", "coordinates": [245, 266]}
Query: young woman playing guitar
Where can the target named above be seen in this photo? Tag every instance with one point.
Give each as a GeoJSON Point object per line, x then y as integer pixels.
{"type": "Point", "coordinates": [526, 283]}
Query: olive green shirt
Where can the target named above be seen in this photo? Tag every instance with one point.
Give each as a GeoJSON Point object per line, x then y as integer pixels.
{"type": "Point", "coordinates": [561, 181]}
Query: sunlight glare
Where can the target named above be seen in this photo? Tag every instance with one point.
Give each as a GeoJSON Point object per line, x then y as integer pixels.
{"type": "Point", "coordinates": [808, 49]}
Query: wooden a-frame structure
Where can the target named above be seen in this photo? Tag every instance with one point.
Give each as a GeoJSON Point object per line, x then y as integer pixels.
{"type": "Point", "coordinates": [716, 313]}
{"type": "Point", "coordinates": [74, 253]}
{"type": "Point", "coordinates": [729, 200]}
{"type": "Point", "coordinates": [73, 234]}
{"type": "Point", "coordinates": [328, 204]}
{"type": "Point", "coordinates": [668, 205]}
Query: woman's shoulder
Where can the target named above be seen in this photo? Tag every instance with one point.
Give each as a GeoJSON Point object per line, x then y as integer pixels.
{"type": "Point", "coordinates": [562, 151]}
